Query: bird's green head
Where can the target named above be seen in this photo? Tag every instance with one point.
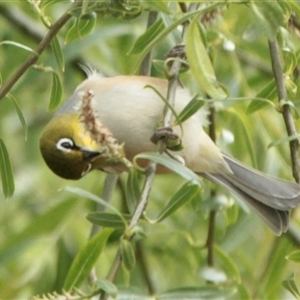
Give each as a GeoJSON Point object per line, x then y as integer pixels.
{"type": "Point", "coordinates": [68, 149]}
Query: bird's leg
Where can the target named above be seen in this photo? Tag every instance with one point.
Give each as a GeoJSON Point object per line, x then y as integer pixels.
{"type": "Point", "coordinates": [170, 139]}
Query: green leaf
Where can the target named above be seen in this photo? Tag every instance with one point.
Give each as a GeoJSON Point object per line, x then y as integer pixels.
{"type": "Point", "coordinates": [107, 286]}
{"type": "Point", "coordinates": [6, 172]}
{"type": "Point", "coordinates": [283, 140]}
{"type": "Point", "coordinates": [58, 53]}
{"type": "Point", "coordinates": [85, 194]}
{"type": "Point", "coordinates": [20, 114]}
{"type": "Point", "coordinates": [204, 293]}
{"type": "Point", "coordinates": [261, 99]}
{"type": "Point", "coordinates": [228, 264]}
{"type": "Point", "coordinates": [291, 286]}
{"type": "Point", "coordinates": [107, 219]}
{"type": "Point", "coordinates": [56, 92]}
{"type": "Point", "coordinates": [190, 109]}
{"type": "Point", "coordinates": [21, 46]}
{"type": "Point", "coordinates": [163, 34]}
{"type": "Point", "coordinates": [127, 252]}
{"type": "Point", "coordinates": [165, 100]}
{"type": "Point", "coordinates": [200, 63]}
{"type": "Point", "coordinates": [294, 256]}
{"type": "Point", "coordinates": [171, 164]}
{"type": "Point", "coordinates": [86, 259]}
{"type": "Point", "coordinates": [243, 292]}
{"type": "Point", "coordinates": [133, 190]}
{"type": "Point", "coordinates": [268, 17]}
{"type": "Point", "coordinates": [185, 194]}
{"type": "Point", "coordinates": [82, 27]}
{"type": "Point", "coordinates": [146, 38]}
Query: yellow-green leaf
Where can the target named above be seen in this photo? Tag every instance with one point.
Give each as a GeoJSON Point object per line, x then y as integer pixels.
{"type": "Point", "coordinates": [107, 219]}
{"type": "Point", "coordinates": [7, 177]}
{"type": "Point", "coordinates": [82, 27]}
{"type": "Point", "coordinates": [127, 252]}
{"type": "Point", "coordinates": [20, 114]}
{"type": "Point", "coordinates": [86, 259]}
{"type": "Point", "coordinates": [58, 53]}
{"type": "Point", "coordinates": [200, 63]}
{"type": "Point", "coordinates": [56, 92]}
{"type": "Point", "coordinates": [184, 195]}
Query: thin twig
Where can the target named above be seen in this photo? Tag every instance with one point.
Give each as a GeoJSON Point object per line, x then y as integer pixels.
{"type": "Point", "coordinates": [45, 42]}
{"type": "Point", "coordinates": [147, 61]}
{"type": "Point", "coordinates": [151, 169]}
{"type": "Point", "coordinates": [141, 259]}
{"type": "Point", "coordinates": [212, 216]}
{"type": "Point", "coordinates": [286, 112]}
{"type": "Point", "coordinates": [109, 186]}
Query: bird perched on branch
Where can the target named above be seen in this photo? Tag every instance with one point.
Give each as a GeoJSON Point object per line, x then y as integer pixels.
{"type": "Point", "coordinates": [123, 111]}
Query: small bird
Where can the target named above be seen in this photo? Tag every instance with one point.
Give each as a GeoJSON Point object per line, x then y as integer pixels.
{"type": "Point", "coordinates": [132, 111]}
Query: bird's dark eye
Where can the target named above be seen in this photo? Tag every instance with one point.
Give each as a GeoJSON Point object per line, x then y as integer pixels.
{"type": "Point", "coordinates": [65, 144]}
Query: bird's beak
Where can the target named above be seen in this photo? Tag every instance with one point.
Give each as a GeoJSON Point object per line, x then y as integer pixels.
{"type": "Point", "coordinates": [88, 153]}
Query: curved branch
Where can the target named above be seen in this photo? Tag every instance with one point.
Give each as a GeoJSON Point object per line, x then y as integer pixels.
{"type": "Point", "coordinates": [32, 59]}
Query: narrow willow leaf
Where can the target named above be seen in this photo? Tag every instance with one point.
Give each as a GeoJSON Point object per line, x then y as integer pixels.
{"type": "Point", "coordinates": [133, 190]}
{"type": "Point", "coordinates": [86, 259]}
{"type": "Point", "coordinates": [294, 256]}
{"type": "Point", "coordinates": [283, 140]}
{"type": "Point", "coordinates": [151, 33]}
{"type": "Point", "coordinates": [190, 109]}
{"type": "Point", "coordinates": [243, 132]}
{"type": "Point", "coordinates": [268, 92]}
{"type": "Point", "coordinates": [20, 114]}
{"type": "Point", "coordinates": [171, 164]}
{"type": "Point", "coordinates": [58, 53]}
{"type": "Point", "coordinates": [107, 286]}
{"type": "Point", "coordinates": [243, 292]}
{"type": "Point", "coordinates": [202, 292]}
{"type": "Point", "coordinates": [291, 286]}
{"type": "Point", "coordinates": [200, 63]}
{"type": "Point", "coordinates": [7, 176]}
{"type": "Point", "coordinates": [290, 62]}
{"type": "Point", "coordinates": [232, 213]}
{"type": "Point", "coordinates": [127, 252]}
{"type": "Point", "coordinates": [185, 194]}
{"type": "Point", "coordinates": [82, 27]}
{"type": "Point", "coordinates": [228, 264]}
{"type": "Point", "coordinates": [107, 219]}
{"type": "Point", "coordinates": [259, 103]}
{"type": "Point", "coordinates": [56, 92]}
{"type": "Point", "coordinates": [167, 30]}
{"type": "Point", "coordinates": [21, 46]}
{"type": "Point", "coordinates": [166, 102]}
{"type": "Point", "coordinates": [268, 17]}
{"type": "Point", "coordinates": [88, 195]}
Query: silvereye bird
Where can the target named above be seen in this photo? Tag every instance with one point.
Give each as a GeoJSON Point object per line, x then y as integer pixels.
{"type": "Point", "coordinates": [132, 113]}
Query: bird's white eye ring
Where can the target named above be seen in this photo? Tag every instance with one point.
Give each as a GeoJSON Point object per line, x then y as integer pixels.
{"type": "Point", "coordinates": [65, 145]}
{"type": "Point", "coordinates": [87, 169]}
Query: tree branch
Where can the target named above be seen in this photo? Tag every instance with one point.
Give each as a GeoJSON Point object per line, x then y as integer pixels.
{"type": "Point", "coordinates": [45, 42]}
{"type": "Point", "coordinates": [286, 112]}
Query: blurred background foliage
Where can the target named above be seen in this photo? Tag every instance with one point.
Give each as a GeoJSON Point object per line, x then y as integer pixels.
{"type": "Point", "coordinates": [43, 226]}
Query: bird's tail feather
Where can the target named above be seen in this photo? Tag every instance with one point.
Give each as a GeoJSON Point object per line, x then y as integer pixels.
{"type": "Point", "coordinates": [270, 197]}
